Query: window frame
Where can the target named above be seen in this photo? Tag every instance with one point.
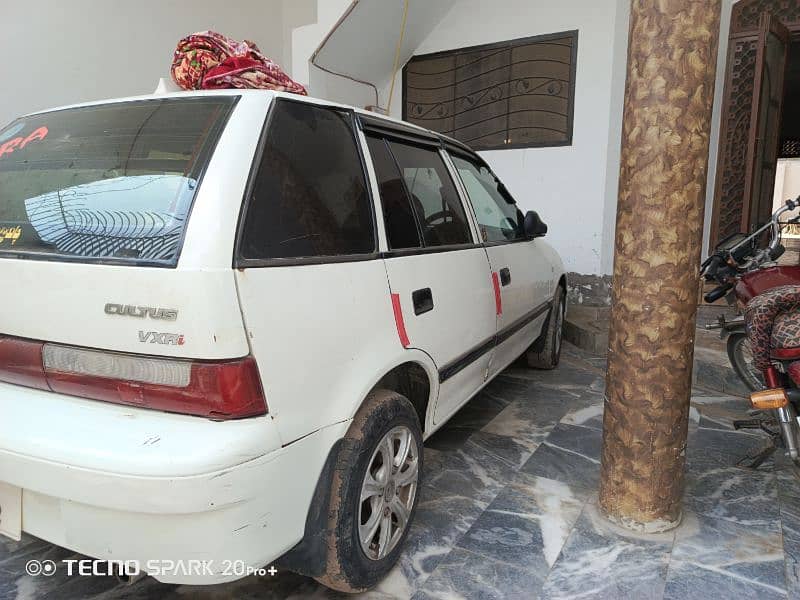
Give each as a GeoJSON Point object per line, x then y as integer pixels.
{"type": "Point", "coordinates": [240, 262]}
{"type": "Point", "coordinates": [572, 33]}
{"type": "Point", "coordinates": [408, 133]}
{"type": "Point", "coordinates": [466, 154]}
{"type": "Point", "coordinates": [419, 218]}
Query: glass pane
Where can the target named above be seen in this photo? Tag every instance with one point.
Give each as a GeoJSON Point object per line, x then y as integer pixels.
{"type": "Point", "coordinates": [310, 197]}
{"type": "Point", "coordinates": [398, 216]}
{"type": "Point", "coordinates": [113, 181]}
{"type": "Point", "coordinates": [498, 217]}
{"type": "Point", "coordinates": [433, 195]}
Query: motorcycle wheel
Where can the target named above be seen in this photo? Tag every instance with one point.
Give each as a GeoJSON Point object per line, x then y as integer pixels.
{"type": "Point", "coordinates": [741, 358]}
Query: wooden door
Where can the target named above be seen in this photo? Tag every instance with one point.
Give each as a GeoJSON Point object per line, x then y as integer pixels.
{"type": "Point", "coordinates": [765, 121]}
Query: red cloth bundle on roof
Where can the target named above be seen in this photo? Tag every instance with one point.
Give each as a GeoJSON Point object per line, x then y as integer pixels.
{"type": "Point", "coordinates": [209, 60]}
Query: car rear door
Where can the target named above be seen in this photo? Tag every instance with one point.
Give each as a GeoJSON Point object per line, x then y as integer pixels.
{"type": "Point", "coordinates": [439, 275]}
{"type": "Point", "coordinates": [520, 271]}
{"type": "Point", "coordinates": [312, 285]}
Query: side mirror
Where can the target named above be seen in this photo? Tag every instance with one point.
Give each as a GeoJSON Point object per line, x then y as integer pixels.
{"type": "Point", "coordinates": [533, 225]}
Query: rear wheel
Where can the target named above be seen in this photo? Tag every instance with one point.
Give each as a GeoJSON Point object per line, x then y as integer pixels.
{"type": "Point", "coordinates": [374, 492]}
{"type": "Point", "coordinates": [548, 352]}
{"type": "Point", "coordinates": [741, 357]}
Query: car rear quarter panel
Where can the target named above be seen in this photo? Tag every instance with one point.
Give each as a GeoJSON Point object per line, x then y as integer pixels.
{"type": "Point", "coordinates": [322, 336]}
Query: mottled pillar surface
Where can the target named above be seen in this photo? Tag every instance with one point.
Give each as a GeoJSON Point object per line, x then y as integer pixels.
{"type": "Point", "coordinates": [669, 93]}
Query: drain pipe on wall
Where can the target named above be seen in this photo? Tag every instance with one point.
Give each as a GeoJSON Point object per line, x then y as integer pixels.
{"type": "Point", "coordinates": [376, 107]}
{"type": "Point", "coordinates": [313, 60]}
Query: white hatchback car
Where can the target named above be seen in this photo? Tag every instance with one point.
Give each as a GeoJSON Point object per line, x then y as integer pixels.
{"type": "Point", "coordinates": [229, 319]}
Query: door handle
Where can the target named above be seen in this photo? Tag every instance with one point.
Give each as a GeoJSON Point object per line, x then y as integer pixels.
{"type": "Point", "coordinates": [423, 300]}
{"type": "Point", "coordinates": [505, 276]}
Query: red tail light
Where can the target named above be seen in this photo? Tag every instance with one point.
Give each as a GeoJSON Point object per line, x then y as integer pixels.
{"type": "Point", "coordinates": [216, 390]}
{"type": "Point", "coordinates": [21, 363]}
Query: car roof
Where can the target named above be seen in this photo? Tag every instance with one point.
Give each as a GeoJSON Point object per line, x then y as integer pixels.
{"type": "Point", "coordinates": [371, 116]}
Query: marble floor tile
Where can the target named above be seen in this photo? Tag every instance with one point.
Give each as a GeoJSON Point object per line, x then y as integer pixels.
{"type": "Point", "coordinates": [789, 498]}
{"type": "Point", "coordinates": [513, 451]}
{"type": "Point", "coordinates": [690, 582]}
{"type": "Point", "coordinates": [449, 438]}
{"type": "Point", "coordinates": [590, 416]}
{"type": "Point", "coordinates": [709, 449]}
{"type": "Point", "coordinates": [726, 559]}
{"type": "Point", "coordinates": [745, 554]}
{"type": "Point", "coordinates": [577, 379]}
{"type": "Point", "coordinates": [480, 410]}
{"type": "Point", "coordinates": [600, 560]}
{"type": "Point", "coordinates": [527, 524]}
{"type": "Point", "coordinates": [570, 454]}
{"type": "Point", "coordinates": [470, 471]}
{"type": "Point", "coordinates": [441, 520]}
{"type": "Point", "coordinates": [719, 412]}
{"type": "Point", "coordinates": [746, 496]}
{"type": "Point", "coordinates": [468, 576]}
{"type": "Point", "coordinates": [283, 586]}
{"type": "Point", "coordinates": [542, 407]}
{"type": "Point", "coordinates": [517, 431]}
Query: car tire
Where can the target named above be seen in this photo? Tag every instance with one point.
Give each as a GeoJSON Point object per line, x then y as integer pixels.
{"type": "Point", "coordinates": [353, 565]}
{"type": "Point", "coordinates": [545, 353]}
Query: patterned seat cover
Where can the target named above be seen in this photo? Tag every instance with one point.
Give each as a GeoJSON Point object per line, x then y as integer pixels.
{"type": "Point", "coordinates": [773, 321]}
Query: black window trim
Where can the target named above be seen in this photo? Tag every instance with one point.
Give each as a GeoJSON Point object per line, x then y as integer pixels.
{"type": "Point", "coordinates": [417, 223]}
{"type": "Point", "coordinates": [465, 153]}
{"type": "Point", "coordinates": [132, 262]}
{"type": "Point", "coordinates": [506, 43]}
{"type": "Point", "coordinates": [240, 262]}
{"type": "Point", "coordinates": [403, 131]}
{"type": "Point", "coordinates": [429, 250]}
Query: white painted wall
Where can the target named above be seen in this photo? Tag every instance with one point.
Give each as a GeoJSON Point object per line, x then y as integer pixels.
{"type": "Point", "coordinates": [787, 181]}
{"type": "Point", "coordinates": [305, 39]}
{"type": "Point", "coordinates": [573, 188]}
{"type": "Point", "coordinates": [716, 119]}
{"type": "Point", "coordinates": [64, 51]}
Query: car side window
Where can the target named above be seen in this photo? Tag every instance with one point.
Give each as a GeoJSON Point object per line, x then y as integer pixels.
{"type": "Point", "coordinates": [497, 214]}
{"type": "Point", "coordinates": [398, 215]}
{"type": "Point", "coordinates": [433, 194]}
{"type": "Point", "coordinates": [310, 195]}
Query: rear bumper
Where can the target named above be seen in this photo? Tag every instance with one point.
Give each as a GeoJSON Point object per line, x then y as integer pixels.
{"type": "Point", "coordinates": [203, 498]}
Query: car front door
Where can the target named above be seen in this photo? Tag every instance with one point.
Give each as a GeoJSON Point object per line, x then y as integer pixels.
{"type": "Point", "coordinates": [520, 271]}
{"type": "Point", "coordinates": [439, 275]}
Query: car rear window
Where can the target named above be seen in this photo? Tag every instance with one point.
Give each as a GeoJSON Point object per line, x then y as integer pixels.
{"type": "Point", "coordinates": [111, 182]}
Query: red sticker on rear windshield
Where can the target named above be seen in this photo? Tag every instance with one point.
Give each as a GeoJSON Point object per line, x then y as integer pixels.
{"type": "Point", "coordinates": [18, 143]}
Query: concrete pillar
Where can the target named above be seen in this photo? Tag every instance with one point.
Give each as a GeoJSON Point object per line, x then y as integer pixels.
{"type": "Point", "coordinates": [672, 57]}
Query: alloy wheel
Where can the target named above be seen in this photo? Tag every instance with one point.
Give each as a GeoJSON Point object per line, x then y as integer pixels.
{"type": "Point", "coordinates": [388, 492]}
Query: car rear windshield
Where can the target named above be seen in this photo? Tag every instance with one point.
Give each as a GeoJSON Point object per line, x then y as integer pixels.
{"type": "Point", "coordinates": [111, 182]}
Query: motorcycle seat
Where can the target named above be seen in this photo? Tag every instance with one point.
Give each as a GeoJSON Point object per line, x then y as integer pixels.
{"type": "Point", "coordinates": [773, 325]}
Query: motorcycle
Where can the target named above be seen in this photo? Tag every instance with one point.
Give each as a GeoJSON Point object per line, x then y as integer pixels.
{"type": "Point", "coordinates": [764, 341]}
{"type": "Point", "coordinates": [742, 272]}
